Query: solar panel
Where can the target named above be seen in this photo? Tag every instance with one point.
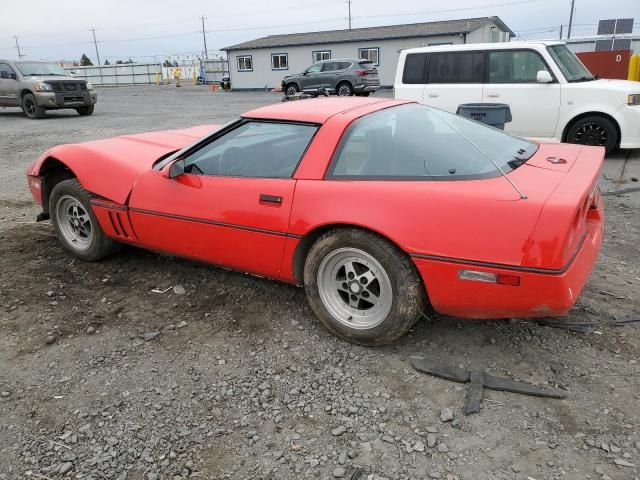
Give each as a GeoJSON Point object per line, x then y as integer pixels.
{"type": "Point", "coordinates": [624, 25]}
{"type": "Point", "coordinates": [606, 27]}
{"type": "Point", "coordinates": [622, 44]}
{"type": "Point", "coordinates": [604, 45]}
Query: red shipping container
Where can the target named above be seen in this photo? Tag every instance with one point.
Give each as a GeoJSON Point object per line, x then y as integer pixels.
{"type": "Point", "coordinates": [614, 64]}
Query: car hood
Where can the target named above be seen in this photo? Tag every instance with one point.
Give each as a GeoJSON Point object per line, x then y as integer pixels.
{"type": "Point", "coordinates": [623, 86]}
{"type": "Point", "coordinates": [109, 168]}
{"type": "Point", "coordinates": [52, 78]}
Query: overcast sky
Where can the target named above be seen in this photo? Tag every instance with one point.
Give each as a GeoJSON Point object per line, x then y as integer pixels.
{"type": "Point", "coordinates": [142, 29]}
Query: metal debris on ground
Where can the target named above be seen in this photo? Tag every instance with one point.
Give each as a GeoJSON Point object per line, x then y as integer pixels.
{"type": "Point", "coordinates": [587, 326]}
{"type": "Point", "coordinates": [479, 381]}
{"type": "Point", "coordinates": [621, 191]}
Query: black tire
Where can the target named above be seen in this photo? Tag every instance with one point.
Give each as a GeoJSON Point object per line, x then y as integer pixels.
{"type": "Point", "coordinates": [409, 298]}
{"type": "Point", "coordinates": [30, 106]}
{"type": "Point", "coordinates": [291, 89]}
{"type": "Point", "coordinates": [85, 111]}
{"type": "Point", "coordinates": [100, 245]}
{"type": "Point", "coordinates": [594, 130]}
{"type": "Point", "coordinates": [344, 89]}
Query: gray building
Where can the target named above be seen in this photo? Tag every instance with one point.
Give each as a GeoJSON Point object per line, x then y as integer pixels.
{"type": "Point", "coordinates": [262, 63]}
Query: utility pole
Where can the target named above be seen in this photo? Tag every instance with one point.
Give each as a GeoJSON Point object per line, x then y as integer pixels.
{"type": "Point", "coordinates": [95, 44]}
{"type": "Point", "coordinates": [561, 26]}
{"type": "Point", "coordinates": [571, 18]}
{"type": "Point", "coordinates": [204, 38]}
{"type": "Point", "coordinates": [349, 4]}
{"type": "Point", "coordinates": [18, 47]}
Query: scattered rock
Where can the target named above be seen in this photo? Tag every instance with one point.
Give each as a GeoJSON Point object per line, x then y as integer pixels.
{"type": "Point", "coordinates": [5, 394]}
{"type": "Point", "coordinates": [91, 330]}
{"type": "Point", "coordinates": [148, 336]}
{"type": "Point", "coordinates": [65, 468]}
{"type": "Point", "coordinates": [182, 324]}
{"type": "Point", "coordinates": [179, 290]}
{"type": "Point", "coordinates": [442, 447]}
{"type": "Point", "coordinates": [446, 414]}
{"type": "Point", "coordinates": [50, 340]}
{"type": "Point", "coordinates": [623, 463]}
{"type": "Point", "coordinates": [336, 432]}
{"type": "Point", "coordinates": [431, 440]}
{"type": "Point", "coordinates": [339, 472]}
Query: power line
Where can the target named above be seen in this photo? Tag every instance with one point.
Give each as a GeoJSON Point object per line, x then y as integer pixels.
{"type": "Point", "coordinates": [204, 38]}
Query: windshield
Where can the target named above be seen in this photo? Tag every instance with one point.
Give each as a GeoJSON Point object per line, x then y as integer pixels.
{"type": "Point", "coordinates": [570, 65]}
{"type": "Point", "coordinates": [418, 142]}
{"type": "Point", "coordinates": [41, 69]}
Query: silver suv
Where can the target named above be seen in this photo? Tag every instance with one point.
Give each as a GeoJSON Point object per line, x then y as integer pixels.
{"type": "Point", "coordinates": [39, 86]}
{"type": "Point", "coordinates": [342, 76]}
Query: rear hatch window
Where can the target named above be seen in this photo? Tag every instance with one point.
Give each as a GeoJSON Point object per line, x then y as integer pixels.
{"type": "Point", "coordinates": [368, 65]}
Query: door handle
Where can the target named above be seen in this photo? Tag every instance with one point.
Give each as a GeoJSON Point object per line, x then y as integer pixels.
{"type": "Point", "coordinates": [270, 199]}
{"type": "Point", "coordinates": [433, 95]}
{"type": "Point", "coordinates": [493, 95]}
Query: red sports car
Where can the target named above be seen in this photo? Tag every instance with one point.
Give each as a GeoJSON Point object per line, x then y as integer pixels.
{"type": "Point", "coordinates": [380, 208]}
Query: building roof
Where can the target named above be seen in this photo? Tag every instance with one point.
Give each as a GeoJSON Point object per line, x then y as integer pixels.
{"type": "Point", "coordinates": [412, 30]}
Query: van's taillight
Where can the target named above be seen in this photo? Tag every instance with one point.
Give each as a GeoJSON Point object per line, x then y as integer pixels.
{"type": "Point", "coordinates": [363, 73]}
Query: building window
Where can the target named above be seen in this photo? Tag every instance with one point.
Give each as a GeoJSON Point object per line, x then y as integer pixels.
{"type": "Point", "coordinates": [279, 61]}
{"type": "Point", "coordinates": [371, 54]}
{"type": "Point", "coordinates": [321, 55]}
{"type": "Point", "coordinates": [245, 63]}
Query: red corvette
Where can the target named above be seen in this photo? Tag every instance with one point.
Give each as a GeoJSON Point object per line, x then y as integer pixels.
{"type": "Point", "coordinates": [380, 208]}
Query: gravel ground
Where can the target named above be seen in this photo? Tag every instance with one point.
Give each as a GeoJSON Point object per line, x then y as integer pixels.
{"type": "Point", "coordinates": [230, 376]}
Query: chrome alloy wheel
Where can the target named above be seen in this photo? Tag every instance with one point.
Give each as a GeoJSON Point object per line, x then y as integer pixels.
{"type": "Point", "coordinates": [344, 90]}
{"type": "Point", "coordinates": [354, 288]}
{"type": "Point", "coordinates": [74, 223]}
{"type": "Point", "coordinates": [291, 90]}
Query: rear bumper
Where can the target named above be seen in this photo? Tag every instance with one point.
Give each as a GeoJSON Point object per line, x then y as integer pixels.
{"type": "Point", "coordinates": [66, 99]}
{"type": "Point", "coordinates": [365, 88]}
{"type": "Point", "coordinates": [540, 293]}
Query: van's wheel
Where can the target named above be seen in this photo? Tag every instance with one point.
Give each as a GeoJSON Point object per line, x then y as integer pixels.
{"type": "Point", "coordinates": [594, 130]}
{"type": "Point", "coordinates": [75, 223]}
{"type": "Point", "coordinates": [362, 287]}
{"type": "Point", "coordinates": [292, 89]}
{"type": "Point", "coordinates": [30, 106]}
{"type": "Point", "coordinates": [86, 110]}
{"type": "Point", "coordinates": [344, 89]}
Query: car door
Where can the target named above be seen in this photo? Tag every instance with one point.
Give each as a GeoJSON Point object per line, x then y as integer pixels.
{"type": "Point", "coordinates": [329, 75]}
{"type": "Point", "coordinates": [454, 78]}
{"type": "Point", "coordinates": [231, 205]}
{"type": "Point", "coordinates": [311, 77]}
{"type": "Point", "coordinates": [9, 86]}
{"type": "Point", "coordinates": [512, 79]}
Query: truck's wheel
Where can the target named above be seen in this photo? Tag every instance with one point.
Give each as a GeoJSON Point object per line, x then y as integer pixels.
{"type": "Point", "coordinates": [594, 130]}
{"type": "Point", "coordinates": [84, 111]}
{"type": "Point", "coordinates": [30, 106]}
{"type": "Point", "coordinates": [75, 223]}
{"type": "Point", "coordinates": [344, 89]}
{"type": "Point", "coordinates": [362, 287]}
{"type": "Point", "coordinates": [292, 89]}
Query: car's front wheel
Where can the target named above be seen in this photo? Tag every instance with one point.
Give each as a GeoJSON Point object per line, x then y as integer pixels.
{"type": "Point", "coordinates": [594, 130]}
{"type": "Point", "coordinates": [30, 106]}
{"type": "Point", "coordinates": [344, 89]}
{"type": "Point", "coordinates": [75, 223]}
{"type": "Point", "coordinates": [86, 110]}
{"type": "Point", "coordinates": [291, 89]}
{"type": "Point", "coordinates": [362, 287]}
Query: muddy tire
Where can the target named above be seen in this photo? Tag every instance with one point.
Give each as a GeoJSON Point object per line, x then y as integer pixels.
{"type": "Point", "coordinates": [362, 287]}
{"type": "Point", "coordinates": [76, 225]}
{"type": "Point", "coordinates": [30, 106]}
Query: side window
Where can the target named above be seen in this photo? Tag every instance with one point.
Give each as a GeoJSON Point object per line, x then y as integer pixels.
{"type": "Point", "coordinates": [314, 68]}
{"type": "Point", "coordinates": [514, 66]}
{"type": "Point", "coordinates": [5, 71]}
{"type": "Point", "coordinates": [344, 65]}
{"type": "Point", "coordinates": [415, 68]}
{"type": "Point", "coordinates": [329, 66]}
{"type": "Point", "coordinates": [371, 54]}
{"type": "Point", "coordinates": [279, 61]}
{"type": "Point", "coordinates": [457, 67]}
{"type": "Point", "coordinates": [321, 55]}
{"type": "Point", "coordinates": [245, 63]}
{"type": "Point", "coordinates": [254, 149]}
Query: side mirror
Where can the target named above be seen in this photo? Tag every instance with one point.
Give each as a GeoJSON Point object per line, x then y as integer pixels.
{"type": "Point", "coordinates": [175, 169]}
{"type": "Point", "coordinates": [13, 76]}
{"type": "Point", "coordinates": [544, 77]}
{"type": "Point", "coordinates": [305, 73]}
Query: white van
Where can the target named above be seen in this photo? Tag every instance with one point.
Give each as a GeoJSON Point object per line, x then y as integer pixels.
{"type": "Point", "coordinates": [552, 95]}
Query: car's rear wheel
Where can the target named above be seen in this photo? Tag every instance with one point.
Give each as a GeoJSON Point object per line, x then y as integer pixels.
{"type": "Point", "coordinates": [594, 130]}
{"type": "Point", "coordinates": [292, 89]}
{"type": "Point", "coordinates": [362, 287]}
{"type": "Point", "coordinates": [86, 110]}
{"type": "Point", "coordinates": [75, 223]}
{"type": "Point", "coordinates": [30, 106]}
{"type": "Point", "coordinates": [344, 89]}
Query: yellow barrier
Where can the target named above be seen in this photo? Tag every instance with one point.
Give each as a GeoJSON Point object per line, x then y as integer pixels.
{"type": "Point", "coordinates": [634, 68]}
{"type": "Point", "coordinates": [195, 78]}
{"type": "Point", "coordinates": [157, 78]}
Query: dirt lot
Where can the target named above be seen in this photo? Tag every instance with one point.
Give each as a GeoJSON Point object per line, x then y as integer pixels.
{"type": "Point", "coordinates": [242, 382]}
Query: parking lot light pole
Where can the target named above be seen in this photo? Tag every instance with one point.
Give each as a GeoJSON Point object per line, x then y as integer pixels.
{"type": "Point", "coordinates": [95, 44]}
{"type": "Point", "coordinates": [571, 18]}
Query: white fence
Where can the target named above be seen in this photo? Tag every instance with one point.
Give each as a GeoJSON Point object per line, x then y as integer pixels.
{"type": "Point", "coordinates": [150, 73]}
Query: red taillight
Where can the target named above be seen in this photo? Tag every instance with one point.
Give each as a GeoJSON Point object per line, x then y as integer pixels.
{"type": "Point", "coordinates": [363, 73]}
{"type": "Point", "coordinates": [595, 199]}
{"type": "Point", "coordinates": [488, 277]}
{"type": "Point", "coordinates": [512, 280]}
